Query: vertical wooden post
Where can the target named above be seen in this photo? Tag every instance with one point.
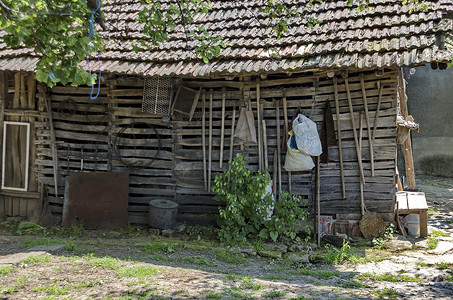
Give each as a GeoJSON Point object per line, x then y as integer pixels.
{"type": "Point", "coordinates": [408, 158]}
{"type": "Point", "coordinates": [210, 140]}
{"type": "Point", "coordinates": [340, 147]}
{"type": "Point", "coordinates": [260, 134]}
{"type": "Point", "coordinates": [53, 144]}
{"type": "Point", "coordinates": [279, 159]}
{"type": "Point", "coordinates": [318, 197]}
{"type": "Point", "coordinates": [222, 127]}
{"type": "Point", "coordinates": [3, 96]}
{"type": "Point", "coordinates": [203, 136]}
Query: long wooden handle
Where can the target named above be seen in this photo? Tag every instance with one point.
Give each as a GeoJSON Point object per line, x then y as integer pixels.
{"type": "Point", "coordinates": [376, 117]}
{"type": "Point", "coordinates": [210, 141]}
{"type": "Point", "coordinates": [367, 118]}
{"type": "Point", "coordinates": [203, 136]}
{"type": "Point", "coordinates": [222, 129]}
{"type": "Point", "coordinates": [354, 131]}
{"type": "Point", "coordinates": [340, 147]}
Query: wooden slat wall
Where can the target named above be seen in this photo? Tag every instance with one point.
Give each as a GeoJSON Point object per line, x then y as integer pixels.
{"type": "Point", "coordinates": [177, 173]}
{"type": "Point", "coordinates": [19, 105]}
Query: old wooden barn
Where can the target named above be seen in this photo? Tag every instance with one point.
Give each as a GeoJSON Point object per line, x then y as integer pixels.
{"type": "Point", "coordinates": [167, 118]}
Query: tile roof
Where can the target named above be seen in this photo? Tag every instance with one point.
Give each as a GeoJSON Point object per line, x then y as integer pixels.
{"type": "Point", "coordinates": [388, 34]}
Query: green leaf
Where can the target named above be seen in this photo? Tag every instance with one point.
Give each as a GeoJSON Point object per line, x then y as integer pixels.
{"type": "Point", "coordinates": [274, 235]}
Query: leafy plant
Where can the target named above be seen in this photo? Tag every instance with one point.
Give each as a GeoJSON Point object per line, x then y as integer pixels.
{"type": "Point", "coordinates": [388, 234]}
{"type": "Point", "coordinates": [335, 255]}
{"type": "Point", "coordinates": [28, 227]}
{"type": "Point", "coordinates": [432, 243]}
{"type": "Point", "coordinates": [247, 206]}
{"type": "Point", "coordinates": [284, 220]}
{"type": "Point", "coordinates": [250, 212]}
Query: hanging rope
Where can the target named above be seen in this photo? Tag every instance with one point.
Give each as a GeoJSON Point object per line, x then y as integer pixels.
{"type": "Point", "coordinates": [91, 39]}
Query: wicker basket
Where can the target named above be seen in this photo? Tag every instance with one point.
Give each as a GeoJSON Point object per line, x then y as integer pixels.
{"type": "Point", "coordinates": [372, 225]}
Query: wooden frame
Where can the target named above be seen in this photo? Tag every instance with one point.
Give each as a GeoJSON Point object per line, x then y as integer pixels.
{"type": "Point", "coordinates": [27, 156]}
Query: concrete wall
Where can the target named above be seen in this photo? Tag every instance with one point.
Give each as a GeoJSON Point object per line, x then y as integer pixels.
{"type": "Point", "coordinates": [430, 102]}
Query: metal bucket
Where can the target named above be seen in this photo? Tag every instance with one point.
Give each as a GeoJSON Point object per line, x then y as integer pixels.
{"type": "Point", "coordinates": [162, 214]}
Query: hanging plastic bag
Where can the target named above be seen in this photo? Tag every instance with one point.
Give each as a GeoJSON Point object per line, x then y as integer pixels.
{"type": "Point", "coordinates": [307, 137]}
{"type": "Point", "coordinates": [297, 160]}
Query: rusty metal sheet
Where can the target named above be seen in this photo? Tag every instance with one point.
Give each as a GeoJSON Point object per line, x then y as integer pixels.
{"type": "Point", "coordinates": [96, 199]}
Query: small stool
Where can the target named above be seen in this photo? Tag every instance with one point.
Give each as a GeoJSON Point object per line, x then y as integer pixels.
{"type": "Point", "coordinates": [413, 203]}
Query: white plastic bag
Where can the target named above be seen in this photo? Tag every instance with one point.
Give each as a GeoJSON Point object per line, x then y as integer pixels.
{"type": "Point", "coordinates": [307, 137]}
{"type": "Point", "coordinates": [297, 160]}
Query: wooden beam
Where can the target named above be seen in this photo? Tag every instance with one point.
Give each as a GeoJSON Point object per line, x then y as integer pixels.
{"type": "Point", "coordinates": [408, 158]}
{"type": "Point", "coordinates": [53, 141]}
{"type": "Point", "coordinates": [3, 96]}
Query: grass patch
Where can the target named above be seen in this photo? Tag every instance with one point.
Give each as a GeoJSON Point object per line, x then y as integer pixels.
{"type": "Point", "coordinates": [52, 289]}
{"type": "Point", "coordinates": [104, 262]}
{"type": "Point", "coordinates": [71, 246]}
{"type": "Point", "coordinates": [213, 295]}
{"type": "Point", "coordinates": [443, 265]}
{"type": "Point", "coordinates": [7, 289]}
{"type": "Point", "coordinates": [250, 284]}
{"type": "Point", "coordinates": [440, 233]}
{"type": "Point", "coordinates": [229, 257]}
{"type": "Point", "coordinates": [197, 260]}
{"type": "Point", "coordinates": [352, 285]}
{"type": "Point", "coordinates": [432, 243]}
{"type": "Point", "coordinates": [37, 259]}
{"type": "Point", "coordinates": [138, 272]}
{"type": "Point", "coordinates": [154, 247]}
{"type": "Point", "coordinates": [432, 210]}
{"type": "Point", "coordinates": [388, 292]}
{"type": "Point", "coordinates": [388, 277]}
{"type": "Point", "coordinates": [315, 273]}
{"type": "Point", "coordinates": [42, 241]}
{"type": "Point", "coordinates": [274, 294]}
{"type": "Point", "coordinates": [5, 271]}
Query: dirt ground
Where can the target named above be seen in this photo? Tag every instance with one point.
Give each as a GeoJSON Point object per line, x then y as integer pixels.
{"type": "Point", "coordinates": [133, 264]}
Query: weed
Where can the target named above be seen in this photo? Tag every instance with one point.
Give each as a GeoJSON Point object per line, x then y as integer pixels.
{"type": "Point", "coordinates": [158, 247]}
{"type": "Point", "coordinates": [52, 289]}
{"type": "Point", "coordinates": [388, 292]}
{"type": "Point", "coordinates": [274, 294]}
{"type": "Point", "coordinates": [7, 289]}
{"type": "Point", "coordinates": [388, 277]}
{"type": "Point", "coordinates": [37, 259]}
{"type": "Point", "coordinates": [388, 234]}
{"type": "Point", "coordinates": [432, 243]}
{"type": "Point", "coordinates": [248, 283]}
{"type": "Point", "coordinates": [28, 227]}
{"type": "Point", "coordinates": [440, 233]}
{"type": "Point", "coordinates": [138, 272]}
{"type": "Point", "coordinates": [335, 255]}
{"type": "Point", "coordinates": [300, 298]}
{"type": "Point", "coordinates": [199, 232]}
{"type": "Point", "coordinates": [443, 265]}
{"type": "Point", "coordinates": [213, 295]}
{"type": "Point", "coordinates": [229, 257]}
{"type": "Point", "coordinates": [104, 262]}
{"type": "Point", "coordinates": [41, 241]}
{"type": "Point", "coordinates": [352, 285]}
{"type": "Point", "coordinates": [197, 260]}
{"type": "Point", "coordinates": [73, 231]}
{"type": "Point", "coordinates": [432, 210]}
{"type": "Point", "coordinates": [422, 264]}
{"type": "Point", "coordinates": [5, 271]}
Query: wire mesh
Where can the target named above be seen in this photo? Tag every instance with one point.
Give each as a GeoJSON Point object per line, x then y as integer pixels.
{"type": "Point", "coordinates": [157, 96]}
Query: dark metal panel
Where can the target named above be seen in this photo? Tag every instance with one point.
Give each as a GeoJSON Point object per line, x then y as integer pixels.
{"type": "Point", "coordinates": [96, 199]}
